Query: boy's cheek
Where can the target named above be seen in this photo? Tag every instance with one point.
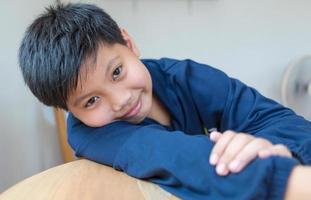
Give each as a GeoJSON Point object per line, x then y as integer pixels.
{"type": "Point", "coordinates": [93, 119]}
{"type": "Point", "coordinates": [96, 122]}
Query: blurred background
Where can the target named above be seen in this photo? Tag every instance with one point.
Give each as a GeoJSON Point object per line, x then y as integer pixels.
{"type": "Point", "coordinates": [252, 40]}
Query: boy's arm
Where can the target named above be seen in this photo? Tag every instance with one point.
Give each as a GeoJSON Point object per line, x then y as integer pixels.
{"type": "Point", "coordinates": [299, 184]}
{"type": "Point", "coordinates": [228, 104]}
{"type": "Point", "coordinates": [176, 161]}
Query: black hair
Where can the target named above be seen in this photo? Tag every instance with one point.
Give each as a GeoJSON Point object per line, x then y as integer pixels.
{"type": "Point", "coordinates": [57, 43]}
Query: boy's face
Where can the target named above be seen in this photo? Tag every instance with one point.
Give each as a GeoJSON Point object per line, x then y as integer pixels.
{"type": "Point", "coordinates": [117, 87]}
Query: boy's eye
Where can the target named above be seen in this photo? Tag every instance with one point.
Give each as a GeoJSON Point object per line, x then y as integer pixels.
{"type": "Point", "coordinates": [91, 101]}
{"type": "Point", "coordinates": [116, 73]}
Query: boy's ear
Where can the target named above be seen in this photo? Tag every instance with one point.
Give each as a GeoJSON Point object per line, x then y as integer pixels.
{"type": "Point", "coordinates": [130, 42]}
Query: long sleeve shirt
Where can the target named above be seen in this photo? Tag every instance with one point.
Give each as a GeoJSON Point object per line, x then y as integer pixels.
{"type": "Point", "coordinates": [176, 157]}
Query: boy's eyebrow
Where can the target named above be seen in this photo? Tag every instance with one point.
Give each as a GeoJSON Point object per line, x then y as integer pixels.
{"type": "Point", "coordinates": [109, 65]}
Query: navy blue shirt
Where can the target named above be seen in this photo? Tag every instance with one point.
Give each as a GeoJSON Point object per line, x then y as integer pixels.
{"type": "Point", "coordinates": [177, 157]}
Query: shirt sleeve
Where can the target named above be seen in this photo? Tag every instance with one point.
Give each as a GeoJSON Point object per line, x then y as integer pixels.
{"type": "Point", "coordinates": [228, 104]}
{"type": "Point", "coordinates": [176, 161]}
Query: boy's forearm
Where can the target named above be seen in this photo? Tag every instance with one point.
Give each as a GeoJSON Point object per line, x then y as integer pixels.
{"type": "Point", "coordinates": [187, 167]}
{"type": "Point", "coordinates": [299, 184]}
{"type": "Point", "coordinates": [178, 162]}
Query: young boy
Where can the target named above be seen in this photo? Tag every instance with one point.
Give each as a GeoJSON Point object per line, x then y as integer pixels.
{"type": "Point", "coordinates": [147, 117]}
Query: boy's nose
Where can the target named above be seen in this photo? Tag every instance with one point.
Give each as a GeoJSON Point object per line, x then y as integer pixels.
{"type": "Point", "coordinates": [119, 101]}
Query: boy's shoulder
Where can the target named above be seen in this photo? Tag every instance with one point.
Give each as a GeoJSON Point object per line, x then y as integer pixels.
{"type": "Point", "coordinates": [172, 66]}
{"type": "Point", "coordinates": [166, 64]}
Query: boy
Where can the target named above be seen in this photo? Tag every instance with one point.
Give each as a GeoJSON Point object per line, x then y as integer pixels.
{"type": "Point", "coordinates": [147, 118]}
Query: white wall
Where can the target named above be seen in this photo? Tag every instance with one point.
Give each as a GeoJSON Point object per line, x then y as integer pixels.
{"type": "Point", "coordinates": [253, 40]}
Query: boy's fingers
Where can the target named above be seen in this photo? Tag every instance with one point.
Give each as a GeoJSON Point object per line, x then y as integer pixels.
{"type": "Point", "coordinates": [265, 153]}
{"type": "Point", "coordinates": [214, 136]}
{"type": "Point", "coordinates": [222, 169]}
{"type": "Point", "coordinates": [220, 146]}
{"type": "Point", "coordinates": [247, 154]}
{"type": "Point", "coordinates": [276, 150]}
{"type": "Point", "coordinates": [237, 143]}
{"type": "Point", "coordinates": [282, 150]}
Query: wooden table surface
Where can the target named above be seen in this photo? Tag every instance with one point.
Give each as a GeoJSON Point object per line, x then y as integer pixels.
{"type": "Point", "coordinates": [83, 179]}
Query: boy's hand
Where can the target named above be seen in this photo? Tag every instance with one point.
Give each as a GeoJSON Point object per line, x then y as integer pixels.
{"type": "Point", "coordinates": [232, 151]}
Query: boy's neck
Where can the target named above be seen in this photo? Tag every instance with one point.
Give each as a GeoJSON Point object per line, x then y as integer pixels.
{"type": "Point", "coordinates": [159, 112]}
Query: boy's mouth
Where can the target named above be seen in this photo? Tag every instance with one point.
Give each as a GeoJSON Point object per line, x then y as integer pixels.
{"type": "Point", "coordinates": [134, 110]}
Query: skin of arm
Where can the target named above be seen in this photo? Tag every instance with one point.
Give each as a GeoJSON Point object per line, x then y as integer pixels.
{"type": "Point", "coordinates": [299, 184]}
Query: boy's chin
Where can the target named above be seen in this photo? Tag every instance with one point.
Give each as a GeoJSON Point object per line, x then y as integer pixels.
{"type": "Point", "coordinates": [136, 120]}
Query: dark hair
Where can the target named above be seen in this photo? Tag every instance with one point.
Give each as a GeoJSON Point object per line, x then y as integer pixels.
{"type": "Point", "coordinates": [57, 43]}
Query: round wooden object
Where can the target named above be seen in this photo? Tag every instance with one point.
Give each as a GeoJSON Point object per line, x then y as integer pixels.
{"type": "Point", "coordinates": [83, 179]}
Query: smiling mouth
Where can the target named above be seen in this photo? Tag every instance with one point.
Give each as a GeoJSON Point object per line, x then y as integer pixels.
{"type": "Point", "coordinates": [134, 110]}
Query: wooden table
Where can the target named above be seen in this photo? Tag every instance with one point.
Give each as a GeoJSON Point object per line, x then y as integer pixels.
{"type": "Point", "coordinates": [83, 179]}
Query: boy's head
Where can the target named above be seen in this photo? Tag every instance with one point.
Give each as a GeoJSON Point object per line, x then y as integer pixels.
{"type": "Point", "coordinates": [76, 57]}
